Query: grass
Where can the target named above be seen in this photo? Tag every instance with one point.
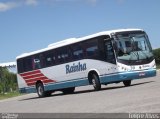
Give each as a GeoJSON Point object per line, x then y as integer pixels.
{"type": "Point", "coordinates": [9, 95]}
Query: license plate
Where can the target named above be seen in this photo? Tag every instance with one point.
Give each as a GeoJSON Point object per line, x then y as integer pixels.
{"type": "Point", "coordinates": [142, 74]}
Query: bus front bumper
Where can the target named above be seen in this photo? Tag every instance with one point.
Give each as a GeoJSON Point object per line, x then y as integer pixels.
{"type": "Point", "coordinates": [131, 75]}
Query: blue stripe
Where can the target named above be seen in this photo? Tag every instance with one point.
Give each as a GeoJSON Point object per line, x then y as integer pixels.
{"type": "Point", "coordinates": [67, 84]}
{"type": "Point", "coordinates": [127, 76]}
{"type": "Point", "coordinates": [127, 72]}
{"type": "Point", "coordinates": [27, 90]}
{"type": "Point", "coordinates": [66, 81]}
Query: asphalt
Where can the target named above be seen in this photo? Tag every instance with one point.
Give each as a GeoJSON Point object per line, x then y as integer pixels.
{"type": "Point", "coordinates": [142, 96]}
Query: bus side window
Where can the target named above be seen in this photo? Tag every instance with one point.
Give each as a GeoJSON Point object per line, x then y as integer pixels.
{"type": "Point", "coordinates": [49, 59]}
{"type": "Point", "coordinates": [20, 65]}
{"type": "Point", "coordinates": [77, 52]}
{"type": "Point", "coordinates": [65, 54]}
{"type": "Point", "coordinates": [91, 48]}
{"type": "Point", "coordinates": [110, 57]}
{"type": "Point", "coordinates": [27, 64]}
{"type": "Point", "coordinates": [36, 62]}
{"type": "Point", "coordinates": [62, 55]}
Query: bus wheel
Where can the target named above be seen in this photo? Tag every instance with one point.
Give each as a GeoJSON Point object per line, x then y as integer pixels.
{"type": "Point", "coordinates": [95, 82]}
{"type": "Point", "coordinates": [127, 83]}
{"type": "Point", "coordinates": [40, 90]}
{"type": "Point", "coordinates": [68, 90]}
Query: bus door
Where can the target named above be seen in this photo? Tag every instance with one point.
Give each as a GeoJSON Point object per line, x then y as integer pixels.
{"type": "Point", "coordinates": [111, 61]}
{"type": "Point", "coordinates": [109, 52]}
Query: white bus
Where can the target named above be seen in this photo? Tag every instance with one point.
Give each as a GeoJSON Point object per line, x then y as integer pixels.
{"type": "Point", "coordinates": [102, 58]}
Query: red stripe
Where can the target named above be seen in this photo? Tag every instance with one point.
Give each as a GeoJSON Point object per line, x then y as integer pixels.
{"type": "Point", "coordinates": [43, 78]}
{"type": "Point", "coordinates": [30, 73]}
{"type": "Point", "coordinates": [31, 84]}
{"type": "Point", "coordinates": [48, 81]}
{"type": "Point", "coordinates": [33, 76]}
{"type": "Point", "coordinates": [45, 82]}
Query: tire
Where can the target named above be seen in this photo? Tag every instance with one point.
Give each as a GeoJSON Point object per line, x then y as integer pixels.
{"type": "Point", "coordinates": [95, 82]}
{"type": "Point", "coordinates": [127, 83]}
{"type": "Point", "coordinates": [40, 91]}
{"type": "Point", "coordinates": [68, 90]}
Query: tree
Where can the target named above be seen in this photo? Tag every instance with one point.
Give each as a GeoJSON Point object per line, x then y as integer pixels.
{"type": "Point", "coordinates": [8, 81]}
{"type": "Point", "coordinates": [156, 53]}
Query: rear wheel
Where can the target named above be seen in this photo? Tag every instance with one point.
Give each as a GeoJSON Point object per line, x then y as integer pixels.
{"type": "Point", "coordinates": [127, 83]}
{"type": "Point", "coordinates": [95, 82]}
{"type": "Point", "coordinates": [40, 91]}
{"type": "Point", "coordinates": [68, 90]}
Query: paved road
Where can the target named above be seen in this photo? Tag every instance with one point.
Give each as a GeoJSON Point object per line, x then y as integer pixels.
{"type": "Point", "coordinates": [142, 96]}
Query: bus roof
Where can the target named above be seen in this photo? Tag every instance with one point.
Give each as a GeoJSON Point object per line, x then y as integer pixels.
{"type": "Point", "coordinates": [74, 40]}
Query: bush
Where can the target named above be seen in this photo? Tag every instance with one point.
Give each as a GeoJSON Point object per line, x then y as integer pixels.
{"type": "Point", "coordinates": [156, 53]}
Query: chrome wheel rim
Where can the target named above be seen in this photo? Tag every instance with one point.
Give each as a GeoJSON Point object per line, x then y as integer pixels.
{"type": "Point", "coordinates": [40, 90]}
{"type": "Point", "coordinates": [94, 82]}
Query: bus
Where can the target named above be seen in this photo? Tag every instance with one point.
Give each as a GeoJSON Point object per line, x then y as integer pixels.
{"type": "Point", "coordinates": [103, 58]}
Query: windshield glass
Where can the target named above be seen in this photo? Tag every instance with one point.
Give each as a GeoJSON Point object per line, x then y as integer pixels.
{"type": "Point", "coordinates": [133, 47]}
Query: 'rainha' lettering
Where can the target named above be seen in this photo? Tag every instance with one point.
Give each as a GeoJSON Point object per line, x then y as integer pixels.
{"type": "Point", "coordinates": [75, 68]}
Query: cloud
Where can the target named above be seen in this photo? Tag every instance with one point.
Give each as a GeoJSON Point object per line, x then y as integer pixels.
{"type": "Point", "coordinates": [31, 2]}
{"type": "Point", "coordinates": [7, 6]}
{"type": "Point", "coordinates": [90, 2]}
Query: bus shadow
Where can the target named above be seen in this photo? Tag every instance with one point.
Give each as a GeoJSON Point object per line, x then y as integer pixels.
{"type": "Point", "coordinates": [87, 91]}
{"type": "Point", "coordinates": [110, 88]}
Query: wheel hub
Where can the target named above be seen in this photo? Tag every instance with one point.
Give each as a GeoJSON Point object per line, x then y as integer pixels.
{"type": "Point", "coordinates": [94, 82]}
{"type": "Point", "coordinates": [40, 90]}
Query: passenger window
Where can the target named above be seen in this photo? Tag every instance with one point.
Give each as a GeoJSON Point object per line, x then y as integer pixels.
{"type": "Point", "coordinates": [91, 49]}
{"type": "Point", "coordinates": [36, 62]}
{"type": "Point", "coordinates": [62, 55]}
{"type": "Point", "coordinates": [20, 65]}
{"type": "Point", "coordinates": [28, 64]}
{"type": "Point", "coordinates": [49, 59]}
{"type": "Point", "coordinates": [77, 52]}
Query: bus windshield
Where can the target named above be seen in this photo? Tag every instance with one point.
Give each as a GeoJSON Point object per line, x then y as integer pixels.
{"type": "Point", "coordinates": [133, 47]}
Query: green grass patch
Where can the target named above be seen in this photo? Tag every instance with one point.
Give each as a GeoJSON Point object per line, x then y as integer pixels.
{"type": "Point", "coordinates": [9, 95]}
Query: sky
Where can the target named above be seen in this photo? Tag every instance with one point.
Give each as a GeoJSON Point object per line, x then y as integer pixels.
{"type": "Point", "coordinates": [29, 25]}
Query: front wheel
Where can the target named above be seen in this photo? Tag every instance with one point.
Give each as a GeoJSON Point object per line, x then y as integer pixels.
{"type": "Point", "coordinates": [127, 83]}
{"type": "Point", "coordinates": [95, 82]}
